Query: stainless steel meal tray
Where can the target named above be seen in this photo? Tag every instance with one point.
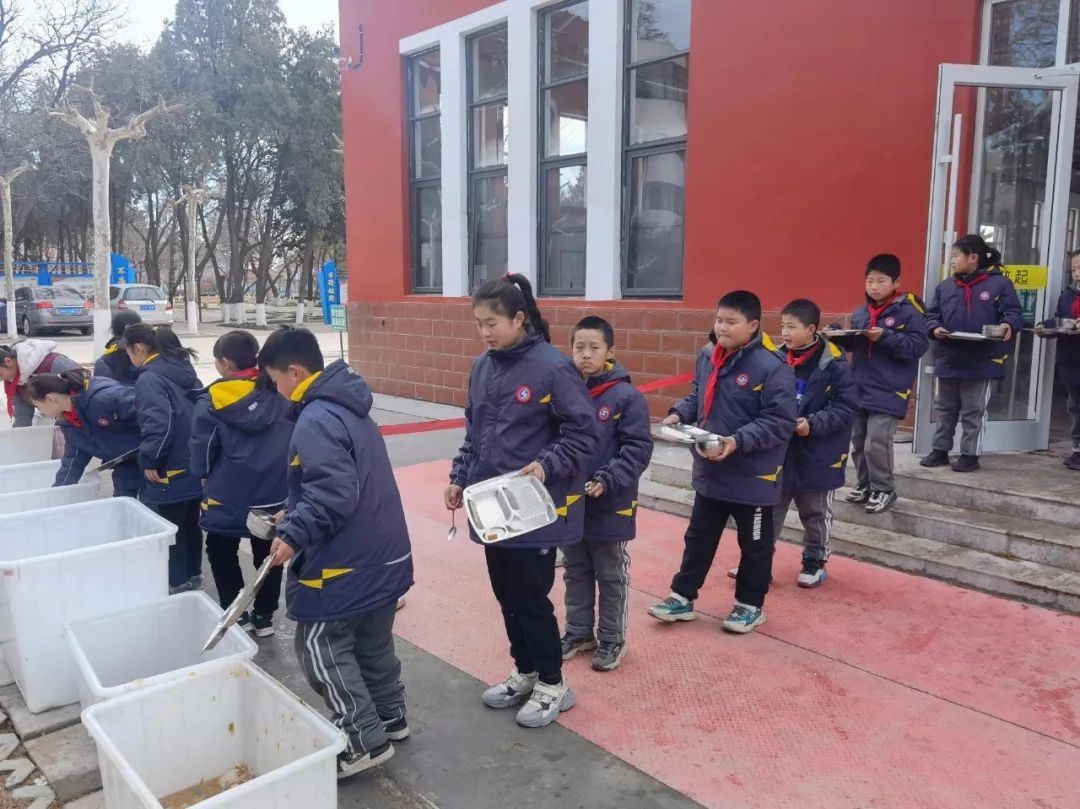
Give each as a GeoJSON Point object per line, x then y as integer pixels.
{"type": "Point", "coordinates": [508, 506]}
{"type": "Point", "coordinates": [685, 434]}
{"type": "Point", "coordinates": [843, 332]}
{"type": "Point", "coordinates": [974, 337]}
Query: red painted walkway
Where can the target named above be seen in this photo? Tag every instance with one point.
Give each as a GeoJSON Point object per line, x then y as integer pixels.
{"type": "Point", "coordinates": [879, 690]}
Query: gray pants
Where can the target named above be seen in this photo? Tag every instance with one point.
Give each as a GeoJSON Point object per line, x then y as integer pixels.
{"type": "Point", "coordinates": [816, 515]}
{"type": "Point", "coordinates": [353, 667]}
{"type": "Point", "coordinates": [966, 401]}
{"type": "Point", "coordinates": [872, 450]}
{"type": "Point", "coordinates": [590, 566]}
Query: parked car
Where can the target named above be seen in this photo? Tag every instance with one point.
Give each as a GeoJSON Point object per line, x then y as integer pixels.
{"type": "Point", "coordinates": [149, 301]}
{"type": "Point", "coordinates": [52, 309]}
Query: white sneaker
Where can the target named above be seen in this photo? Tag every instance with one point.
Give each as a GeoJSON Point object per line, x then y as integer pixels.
{"type": "Point", "coordinates": [810, 577]}
{"type": "Point", "coordinates": [545, 704]}
{"type": "Point", "coordinates": [511, 691]}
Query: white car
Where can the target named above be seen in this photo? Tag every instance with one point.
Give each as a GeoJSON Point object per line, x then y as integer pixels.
{"type": "Point", "coordinates": [149, 302]}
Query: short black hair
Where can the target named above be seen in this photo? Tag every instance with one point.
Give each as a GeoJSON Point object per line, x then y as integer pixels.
{"type": "Point", "coordinates": [121, 320]}
{"type": "Point", "coordinates": [291, 345]}
{"type": "Point", "coordinates": [805, 311]}
{"type": "Point", "coordinates": [594, 323]}
{"type": "Point", "coordinates": [746, 303]}
{"type": "Point", "coordinates": [239, 347]}
{"type": "Point", "coordinates": [886, 264]}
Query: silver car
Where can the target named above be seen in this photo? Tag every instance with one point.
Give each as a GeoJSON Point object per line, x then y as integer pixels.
{"type": "Point", "coordinates": [149, 302]}
{"type": "Point", "coordinates": [52, 309]}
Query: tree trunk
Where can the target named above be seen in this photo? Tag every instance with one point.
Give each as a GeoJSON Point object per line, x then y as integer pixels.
{"type": "Point", "coordinates": [9, 260]}
{"type": "Point", "coordinates": [101, 155]}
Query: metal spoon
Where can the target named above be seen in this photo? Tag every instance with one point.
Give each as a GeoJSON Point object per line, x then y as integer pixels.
{"type": "Point", "coordinates": [453, 526]}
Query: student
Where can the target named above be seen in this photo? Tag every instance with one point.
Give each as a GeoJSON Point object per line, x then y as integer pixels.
{"type": "Point", "coordinates": [165, 394]}
{"type": "Point", "coordinates": [744, 392]}
{"type": "Point", "coordinates": [344, 529]}
{"type": "Point", "coordinates": [114, 363]}
{"type": "Point", "coordinates": [1068, 353]}
{"type": "Point", "coordinates": [239, 443]}
{"type": "Point", "coordinates": [20, 361]}
{"type": "Point", "coordinates": [97, 417]}
{"type": "Point", "coordinates": [826, 405]}
{"type": "Point", "coordinates": [977, 295]}
{"type": "Point", "coordinates": [529, 411]}
{"type": "Point", "coordinates": [601, 562]}
{"type": "Point", "coordinates": [885, 364]}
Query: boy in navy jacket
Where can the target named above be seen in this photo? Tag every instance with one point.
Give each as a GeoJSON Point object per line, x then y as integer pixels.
{"type": "Point", "coordinates": [744, 392]}
{"type": "Point", "coordinates": [344, 529]}
{"type": "Point", "coordinates": [601, 562]}
{"type": "Point", "coordinates": [114, 363]}
{"type": "Point", "coordinates": [885, 363]}
{"type": "Point", "coordinates": [1068, 353]}
{"type": "Point", "coordinates": [976, 295]}
{"type": "Point", "coordinates": [826, 405]}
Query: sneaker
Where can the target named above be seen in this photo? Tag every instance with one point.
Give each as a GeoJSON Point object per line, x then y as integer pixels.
{"type": "Point", "coordinates": [560, 557]}
{"type": "Point", "coordinates": [244, 622]}
{"type": "Point", "coordinates": [545, 704]}
{"type": "Point", "coordinates": [514, 689]}
{"type": "Point", "coordinates": [860, 494]}
{"type": "Point", "coordinates": [608, 655]}
{"type": "Point", "coordinates": [673, 608]}
{"type": "Point", "coordinates": [966, 463]}
{"type": "Point", "coordinates": [263, 624]}
{"type": "Point", "coordinates": [349, 764]}
{"type": "Point", "coordinates": [180, 588]}
{"type": "Point", "coordinates": [880, 502]}
{"type": "Point", "coordinates": [1073, 461]}
{"type": "Point", "coordinates": [743, 618]}
{"type": "Point", "coordinates": [812, 576]}
{"type": "Point", "coordinates": [196, 583]}
{"type": "Point", "coordinates": [398, 730]}
{"type": "Point", "coordinates": [572, 644]}
{"type": "Point", "coordinates": [935, 458]}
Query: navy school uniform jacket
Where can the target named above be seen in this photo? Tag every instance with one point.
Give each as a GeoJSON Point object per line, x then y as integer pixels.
{"type": "Point", "coordinates": [165, 394]}
{"type": "Point", "coordinates": [829, 402]}
{"type": "Point", "coordinates": [528, 403]}
{"type": "Point", "coordinates": [885, 371]}
{"type": "Point", "coordinates": [755, 404]}
{"type": "Point", "coordinates": [105, 427]}
{"type": "Point", "coordinates": [344, 516]}
{"type": "Point", "coordinates": [1068, 346]}
{"type": "Point", "coordinates": [106, 364]}
{"type": "Point", "coordinates": [989, 300]}
{"type": "Point", "coordinates": [239, 447]}
{"type": "Point", "coordinates": [623, 454]}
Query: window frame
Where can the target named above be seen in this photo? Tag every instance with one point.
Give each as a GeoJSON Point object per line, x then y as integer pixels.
{"type": "Point", "coordinates": [546, 164]}
{"type": "Point", "coordinates": [417, 184]}
{"type": "Point", "coordinates": [632, 151]}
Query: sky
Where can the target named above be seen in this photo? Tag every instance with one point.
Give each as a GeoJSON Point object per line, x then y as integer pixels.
{"type": "Point", "coordinates": [146, 17]}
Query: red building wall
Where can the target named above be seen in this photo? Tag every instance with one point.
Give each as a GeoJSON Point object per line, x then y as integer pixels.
{"type": "Point", "coordinates": [810, 128]}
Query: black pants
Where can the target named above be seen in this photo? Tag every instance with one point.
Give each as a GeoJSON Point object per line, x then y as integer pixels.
{"type": "Point", "coordinates": [224, 555]}
{"type": "Point", "coordinates": [757, 541]}
{"type": "Point", "coordinates": [522, 579]}
{"type": "Point", "coordinates": [185, 557]}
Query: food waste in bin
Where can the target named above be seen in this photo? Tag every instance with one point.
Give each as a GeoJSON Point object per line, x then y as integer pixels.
{"type": "Point", "coordinates": [204, 790]}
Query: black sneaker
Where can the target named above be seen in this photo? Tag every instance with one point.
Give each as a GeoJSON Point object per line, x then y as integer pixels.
{"type": "Point", "coordinates": [1073, 461]}
{"type": "Point", "coordinates": [860, 494]}
{"type": "Point", "coordinates": [263, 624]}
{"type": "Point", "coordinates": [349, 764]}
{"type": "Point", "coordinates": [935, 458]}
{"type": "Point", "coordinates": [397, 730]}
{"type": "Point", "coordinates": [966, 463]}
{"type": "Point", "coordinates": [572, 644]}
{"type": "Point", "coordinates": [880, 502]}
{"type": "Point", "coordinates": [608, 656]}
{"type": "Point", "coordinates": [244, 622]}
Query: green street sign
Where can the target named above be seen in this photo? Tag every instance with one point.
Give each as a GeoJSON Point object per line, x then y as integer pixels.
{"type": "Point", "coordinates": [339, 319]}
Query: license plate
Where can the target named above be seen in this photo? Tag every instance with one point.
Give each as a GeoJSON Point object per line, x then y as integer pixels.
{"type": "Point", "coordinates": [149, 308]}
{"type": "Point", "coordinates": [74, 311]}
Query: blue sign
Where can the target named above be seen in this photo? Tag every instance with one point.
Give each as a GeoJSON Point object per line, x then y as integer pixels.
{"type": "Point", "coordinates": [44, 279]}
{"type": "Point", "coordinates": [329, 289]}
{"type": "Point", "coordinates": [122, 271]}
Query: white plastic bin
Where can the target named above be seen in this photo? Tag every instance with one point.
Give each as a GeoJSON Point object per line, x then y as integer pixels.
{"type": "Point", "coordinates": [151, 643]}
{"type": "Point", "coordinates": [157, 741]}
{"type": "Point", "coordinates": [37, 499]}
{"type": "Point", "coordinates": [63, 564]}
{"type": "Point", "coordinates": [16, 478]}
{"type": "Point", "coordinates": [26, 445]}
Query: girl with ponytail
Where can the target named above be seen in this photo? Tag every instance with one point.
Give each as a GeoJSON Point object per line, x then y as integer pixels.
{"type": "Point", "coordinates": [528, 412]}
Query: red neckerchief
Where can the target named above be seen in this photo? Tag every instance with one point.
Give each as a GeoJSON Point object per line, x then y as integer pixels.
{"type": "Point", "coordinates": [247, 373]}
{"type": "Point", "coordinates": [967, 285]}
{"type": "Point", "coordinates": [595, 392]}
{"type": "Point", "coordinates": [795, 359]}
{"type": "Point", "coordinates": [72, 418]}
{"type": "Point", "coordinates": [1076, 307]}
{"type": "Point", "coordinates": [719, 357]}
{"type": "Point", "coordinates": [877, 311]}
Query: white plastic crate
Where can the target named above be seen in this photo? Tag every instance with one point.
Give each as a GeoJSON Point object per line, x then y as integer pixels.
{"type": "Point", "coordinates": [66, 563]}
{"type": "Point", "coordinates": [23, 477]}
{"type": "Point", "coordinates": [151, 643]}
{"type": "Point", "coordinates": [26, 445]}
{"type": "Point", "coordinates": [37, 499]}
{"type": "Point", "coordinates": [157, 741]}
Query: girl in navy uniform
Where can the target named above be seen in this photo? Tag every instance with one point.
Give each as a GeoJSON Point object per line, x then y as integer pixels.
{"type": "Point", "coordinates": [1068, 353]}
{"type": "Point", "coordinates": [97, 417]}
{"type": "Point", "coordinates": [528, 410]}
{"type": "Point", "coordinates": [115, 363]}
{"type": "Point", "coordinates": [239, 447]}
{"type": "Point", "coordinates": [165, 393]}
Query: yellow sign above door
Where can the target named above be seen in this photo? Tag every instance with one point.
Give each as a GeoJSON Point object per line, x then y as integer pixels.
{"type": "Point", "coordinates": [1027, 276]}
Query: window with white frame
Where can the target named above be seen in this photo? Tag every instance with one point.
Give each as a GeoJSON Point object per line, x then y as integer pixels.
{"type": "Point", "coordinates": [425, 171]}
{"type": "Point", "coordinates": [657, 68]}
{"type": "Point", "coordinates": [488, 126]}
{"type": "Point", "coordinates": [563, 71]}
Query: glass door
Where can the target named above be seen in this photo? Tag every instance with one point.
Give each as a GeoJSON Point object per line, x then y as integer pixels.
{"type": "Point", "coordinates": [1001, 168]}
